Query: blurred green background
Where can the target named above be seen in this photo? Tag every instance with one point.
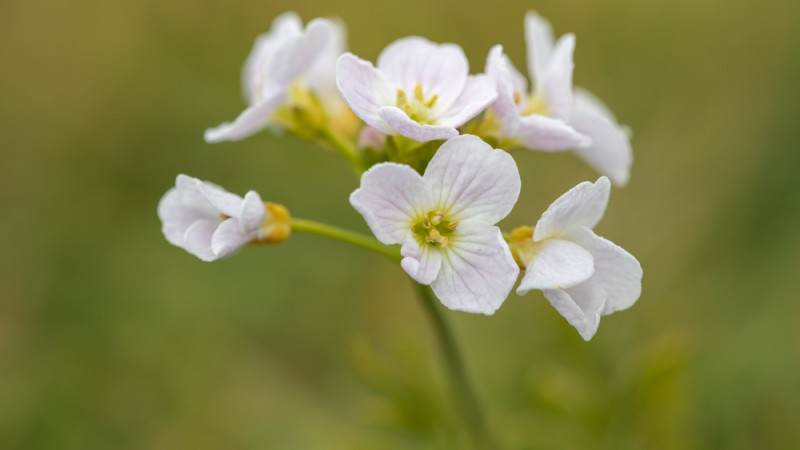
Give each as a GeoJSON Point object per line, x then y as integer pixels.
{"type": "Point", "coordinates": [110, 338]}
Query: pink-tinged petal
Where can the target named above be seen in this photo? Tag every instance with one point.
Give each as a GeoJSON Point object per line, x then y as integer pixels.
{"type": "Point", "coordinates": [556, 84]}
{"type": "Point", "coordinates": [390, 198]}
{"type": "Point", "coordinates": [371, 138]}
{"type": "Point", "coordinates": [610, 151]}
{"type": "Point", "coordinates": [229, 237]}
{"type": "Point", "coordinates": [365, 89]}
{"type": "Point", "coordinates": [479, 92]}
{"type": "Point", "coordinates": [295, 55]}
{"type": "Point", "coordinates": [399, 122]}
{"type": "Point", "coordinates": [441, 69]}
{"type": "Point", "coordinates": [471, 181]}
{"type": "Point", "coordinates": [507, 81]}
{"type": "Point", "coordinates": [197, 239]}
{"type": "Point", "coordinates": [321, 75]}
{"type": "Point", "coordinates": [549, 135]}
{"type": "Point", "coordinates": [477, 271]}
{"type": "Point", "coordinates": [581, 206]}
{"type": "Point", "coordinates": [580, 305]}
{"type": "Point", "coordinates": [250, 121]}
{"type": "Point", "coordinates": [539, 40]}
{"type": "Point", "coordinates": [558, 264]}
{"type": "Point", "coordinates": [222, 200]}
{"type": "Point", "coordinates": [422, 263]}
{"type": "Point", "coordinates": [285, 26]}
{"type": "Point", "coordinates": [251, 216]}
{"type": "Point", "coordinates": [616, 270]}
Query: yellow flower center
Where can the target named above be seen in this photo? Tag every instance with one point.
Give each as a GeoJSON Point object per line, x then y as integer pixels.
{"type": "Point", "coordinates": [418, 108]}
{"type": "Point", "coordinates": [434, 229]}
{"type": "Point", "coordinates": [534, 104]}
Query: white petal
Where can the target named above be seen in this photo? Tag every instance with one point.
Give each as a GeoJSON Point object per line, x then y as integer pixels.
{"type": "Point", "coordinates": [616, 270]}
{"type": "Point", "coordinates": [441, 69]}
{"type": "Point", "coordinates": [285, 26]}
{"type": "Point", "coordinates": [539, 40]}
{"type": "Point", "coordinates": [479, 92]}
{"type": "Point", "coordinates": [390, 197]}
{"type": "Point", "coordinates": [471, 181]}
{"type": "Point", "coordinates": [191, 196]}
{"type": "Point", "coordinates": [507, 81]}
{"type": "Point", "coordinates": [252, 213]}
{"type": "Point", "coordinates": [581, 206]}
{"type": "Point", "coordinates": [399, 122]}
{"type": "Point", "coordinates": [182, 206]}
{"type": "Point", "coordinates": [580, 305]}
{"type": "Point", "coordinates": [223, 201]}
{"type": "Point", "coordinates": [543, 133]}
{"type": "Point", "coordinates": [295, 55]}
{"type": "Point", "coordinates": [321, 74]}
{"type": "Point", "coordinates": [197, 239]}
{"type": "Point", "coordinates": [422, 263]}
{"type": "Point", "coordinates": [610, 150]}
{"type": "Point", "coordinates": [558, 264]}
{"type": "Point", "coordinates": [477, 271]}
{"type": "Point", "coordinates": [229, 237]}
{"type": "Point", "coordinates": [365, 89]}
{"type": "Point", "coordinates": [556, 84]}
{"type": "Point", "coordinates": [249, 122]}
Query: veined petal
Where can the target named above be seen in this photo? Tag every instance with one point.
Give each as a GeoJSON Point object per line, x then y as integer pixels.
{"type": "Point", "coordinates": [422, 263]}
{"type": "Point", "coordinates": [441, 69]}
{"type": "Point", "coordinates": [223, 201]}
{"type": "Point", "coordinates": [539, 40]}
{"type": "Point", "coordinates": [507, 81]}
{"type": "Point", "coordinates": [250, 121]}
{"type": "Point", "coordinates": [543, 133]}
{"type": "Point", "coordinates": [556, 84]}
{"type": "Point", "coordinates": [284, 26]}
{"type": "Point", "coordinates": [365, 89]}
{"type": "Point", "coordinates": [229, 237]}
{"type": "Point", "coordinates": [558, 264]}
{"type": "Point", "coordinates": [610, 151]}
{"type": "Point", "coordinates": [616, 270]}
{"type": "Point", "coordinates": [251, 216]}
{"type": "Point", "coordinates": [479, 92]}
{"type": "Point", "coordinates": [399, 122]}
{"type": "Point", "coordinates": [197, 239]}
{"type": "Point", "coordinates": [471, 181]}
{"type": "Point", "coordinates": [581, 305]}
{"type": "Point", "coordinates": [390, 197]}
{"type": "Point", "coordinates": [581, 206]}
{"type": "Point", "coordinates": [477, 271]}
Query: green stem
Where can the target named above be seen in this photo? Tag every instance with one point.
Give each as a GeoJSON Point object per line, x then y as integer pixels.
{"type": "Point", "coordinates": [344, 147]}
{"type": "Point", "coordinates": [467, 399]}
{"type": "Point", "coordinates": [343, 235]}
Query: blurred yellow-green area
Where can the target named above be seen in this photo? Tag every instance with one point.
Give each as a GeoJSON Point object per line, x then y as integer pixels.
{"type": "Point", "coordinates": [110, 338]}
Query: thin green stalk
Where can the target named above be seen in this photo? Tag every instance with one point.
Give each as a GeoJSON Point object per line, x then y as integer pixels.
{"type": "Point", "coordinates": [344, 147]}
{"type": "Point", "coordinates": [343, 235]}
{"type": "Point", "coordinates": [468, 400]}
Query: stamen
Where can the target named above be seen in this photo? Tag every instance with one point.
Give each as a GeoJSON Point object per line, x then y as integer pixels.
{"type": "Point", "coordinates": [517, 98]}
{"type": "Point", "coordinates": [431, 101]}
{"type": "Point", "coordinates": [426, 222]}
{"type": "Point", "coordinates": [401, 98]}
{"type": "Point", "coordinates": [418, 93]}
{"type": "Point", "coordinates": [407, 108]}
{"type": "Point", "coordinates": [437, 218]}
{"type": "Point", "coordinates": [453, 225]}
{"type": "Point", "coordinates": [435, 235]}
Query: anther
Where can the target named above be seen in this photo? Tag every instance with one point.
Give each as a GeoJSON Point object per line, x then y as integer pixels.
{"type": "Point", "coordinates": [418, 93]}
{"type": "Point", "coordinates": [431, 101]}
{"type": "Point", "coordinates": [407, 108]}
{"type": "Point", "coordinates": [517, 98]}
{"type": "Point", "coordinates": [453, 225]}
{"type": "Point", "coordinates": [437, 218]}
{"type": "Point", "coordinates": [444, 241]}
{"type": "Point", "coordinates": [401, 98]}
{"type": "Point", "coordinates": [426, 222]}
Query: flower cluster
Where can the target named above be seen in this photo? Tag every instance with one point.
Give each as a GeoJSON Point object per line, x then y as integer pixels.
{"type": "Point", "coordinates": [436, 178]}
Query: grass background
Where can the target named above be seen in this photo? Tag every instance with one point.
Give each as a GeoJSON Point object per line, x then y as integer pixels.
{"type": "Point", "coordinates": [111, 338]}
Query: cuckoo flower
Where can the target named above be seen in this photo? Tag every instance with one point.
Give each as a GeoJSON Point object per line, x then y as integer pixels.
{"type": "Point", "coordinates": [211, 223]}
{"type": "Point", "coordinates": [419, 89]}
{"type": "Point", "coordinates": [445, 220]}
{"type": "Point", "coordinates": [288, 64]}
{"type": "Point", "coordinates": [584, 276]}
{"type": "Point", "coordinates": [551, 117]}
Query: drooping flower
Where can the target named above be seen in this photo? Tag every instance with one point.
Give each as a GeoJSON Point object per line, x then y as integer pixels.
{"type": "Point", "coordinates": [584, 276]}
{"type": "Point", "coordinates": [211, 223]}
{"type": "Point", "coordinates": [419, 89]}
{"type": "Point", "coordinates": [293, 66]}
{"type": "Point", "coordinates": [445, 220]}
{"type": "Point", "coordinates": [551, 117]}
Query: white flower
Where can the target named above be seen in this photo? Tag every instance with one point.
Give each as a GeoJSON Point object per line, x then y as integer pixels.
{"type": "Point", "coordinates": [211, 223]}
{"type": "Point", "coordinates": [285, 61]}
{"type": "Point", "coordinates": [584, 276]}
{"type": "Point", "coordinates": [419, 89]}
{"type": "Point", "coordinates": [445, 220]}
{"type": "Point", "coordinates": [551, 117]}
